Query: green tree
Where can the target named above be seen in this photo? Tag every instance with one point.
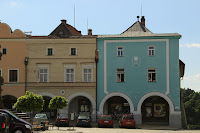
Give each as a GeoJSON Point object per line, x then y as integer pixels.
{"type": "Point", "coordinates": [29, 102]}
{"type": "Point", "coordinates": [58, 102]}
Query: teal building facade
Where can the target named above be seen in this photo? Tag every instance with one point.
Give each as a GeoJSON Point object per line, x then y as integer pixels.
{"type": "Point", "coordinates": [138, 72]}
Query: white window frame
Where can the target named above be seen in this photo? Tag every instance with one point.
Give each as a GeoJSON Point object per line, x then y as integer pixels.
{"type": "Point", "coordinates": [17, 75]}
{"type": "Point", "coordinates": [151, 80]}
{"type": "Point", "coordinates": [3, 49]}
{"type": "Point", "coordinates": [69, 66]}
{"type": "Point", "coordinates": [43, 66]}
{"type": "Point", "coordinates": [150, 53]}
{"type": "Point", "coordinates": [87, 67]}
{"type": "Point", "coordinates": [121, 51]}
{"type": "Point", "coordinates": [120, 73]}
{"type": "Point", "coordinates": [52, 51]}
{"type": "Point", "coordinates": [70, 51]}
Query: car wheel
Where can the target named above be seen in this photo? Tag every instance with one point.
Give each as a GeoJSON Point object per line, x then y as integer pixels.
{"type": "Point", "coordinates": [18, 131]}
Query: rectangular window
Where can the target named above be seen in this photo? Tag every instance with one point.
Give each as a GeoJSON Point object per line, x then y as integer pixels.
{"type": "Point", "coordinates": [4, 51]}
{"type": "Point", "coordinates": [0, 73]}
{"type": "Point", "coordinates": [120, 75]}
{"type": "Point", "coordinates": [151, 75]}
{"type": "Point", "coordinates": [73, 51]}
{"type": "Point", "coordinates": [13, 75]}
{"type": "Point", "coordinates": [151, 51]}
{"type": "Point", "coordinates": [120, 51]}
{"type": "Point", "coordinates": [43, 75]}
{"type": "Point", "coordinates": [49, 51]}
{"type": "Point", "coordinates": [69, 75]}
{"type": "Point", "coordinates": [87, 75]}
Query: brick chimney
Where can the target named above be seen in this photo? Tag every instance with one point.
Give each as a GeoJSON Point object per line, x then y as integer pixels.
{"type": "Point", "coordinates": [143, 21]}
{"type": "Point", "coordinates": [63, 21]}
{"type": "Point", "coordinates": [90, 32]}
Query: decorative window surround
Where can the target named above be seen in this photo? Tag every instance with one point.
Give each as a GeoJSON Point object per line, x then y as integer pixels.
{"type": "Point", "coordinates": [69, 66]}
{"type": "Point", "coordinates": [87, 73]}
{"type": "Point", "coordinates": [44, 71]}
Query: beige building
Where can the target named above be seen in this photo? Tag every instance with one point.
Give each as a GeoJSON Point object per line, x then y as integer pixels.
{"type": "Point", "coordinates": [12, 67]}
{"type": "Point", "coordinates": [63, 64]}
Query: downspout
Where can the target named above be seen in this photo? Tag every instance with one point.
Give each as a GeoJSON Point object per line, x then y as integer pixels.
{"type": "Point", "coordinates": [96, 61]}
{"type": "Point", "coordinates": [26, 64]}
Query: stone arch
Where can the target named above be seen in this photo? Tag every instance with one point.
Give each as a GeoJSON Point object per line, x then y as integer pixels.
{"type": "Point", "coordinates": [155, 94]}
{"type": "Point", "coordinates": [116, 94]}
{"type": "Point", "coordinates": [85, 95]}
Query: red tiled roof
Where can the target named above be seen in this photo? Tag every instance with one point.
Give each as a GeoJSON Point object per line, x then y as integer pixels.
{"type": "Point", "coordinates": [73, 30]}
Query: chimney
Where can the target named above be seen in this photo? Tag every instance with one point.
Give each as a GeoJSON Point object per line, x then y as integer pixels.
{"type": "Point", "coordinates": [138, 18]}
{"type": "Point", "coordinates": [143, 21]}
{"type": "Point", "coordinates": [90, 32]}
{"type": "Point", "coordinates": [63, 21]}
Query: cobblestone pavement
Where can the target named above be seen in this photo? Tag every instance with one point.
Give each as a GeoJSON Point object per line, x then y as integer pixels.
{"type": "Point", "coordinates": [112, 130]}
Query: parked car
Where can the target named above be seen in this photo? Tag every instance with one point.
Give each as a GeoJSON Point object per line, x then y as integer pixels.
{"type": "Point", "coordinates": [83, 121]}
{"type": "Point", "coordinates": [41, 119]}
{"type": "Point", "coordinates": [62, 120]}
{"type": "Point", "coordinates": [127, 121]}
{"type": "Point", "coordinates": [4, 123]}
{"type": "Point", "coordinates": [105, 121]}
{"type": "Point", "coordinates": [17, 125]}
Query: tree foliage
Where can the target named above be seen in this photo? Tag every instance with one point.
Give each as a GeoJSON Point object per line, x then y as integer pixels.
{"type": "Point", "coordinates": [58, 102]}
{"type": "Point", "coordinates": [191, 100]}
{"type": "Point", "coordinates": [29, 102]}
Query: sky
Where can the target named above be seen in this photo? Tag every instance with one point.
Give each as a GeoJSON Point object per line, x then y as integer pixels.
{"type": "Point", "coordinates": [113, 17]}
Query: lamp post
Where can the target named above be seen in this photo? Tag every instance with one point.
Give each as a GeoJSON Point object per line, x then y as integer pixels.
{"type": "Point", "coordinates": [26, 63]}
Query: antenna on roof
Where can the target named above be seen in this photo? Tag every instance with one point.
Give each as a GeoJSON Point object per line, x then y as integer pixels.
{"type": "Point", "coordinates": [74, 15]}
{"type": "Point", "coordinates": [87, 23]}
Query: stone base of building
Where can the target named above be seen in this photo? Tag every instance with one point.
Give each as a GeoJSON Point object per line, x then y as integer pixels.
{"type": "Point", "coordinates": [175, 120]}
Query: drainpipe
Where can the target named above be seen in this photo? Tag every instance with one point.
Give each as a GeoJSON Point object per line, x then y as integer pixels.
{"type": "Point", "coordinates": [96, 60]}
{"type": "Point", "coordinates": [26, 64]}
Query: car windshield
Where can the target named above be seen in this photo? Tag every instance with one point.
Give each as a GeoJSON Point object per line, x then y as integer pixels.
{"type": "Point", "coordinates": [83, 117]}
{"type": "Point", "coordinates": [106, 118]}
{"type": "Point", "coordinates": [40, 116]}
{"type": "Point", "coordinates": [62, 116]}
{"type": "Point", "coordinates": [128, 117]}
{"type": "Point", "coordinates": [12, 114]}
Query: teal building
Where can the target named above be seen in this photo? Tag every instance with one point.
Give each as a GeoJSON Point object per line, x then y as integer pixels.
{"type": "Point", "coordinates": [138, 72]}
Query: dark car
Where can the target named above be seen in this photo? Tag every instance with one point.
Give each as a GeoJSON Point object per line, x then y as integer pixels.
{"type": "Point", "coordinates": [17, 125]}
{"type": "Point", "coordinates": [4, 123]}
{"type": "Point", "coordinates": [127, 121]}
{"type": "Point", "coordinates": [83, 121]}
{"type": "Point", "coordinates": [105, 121]}
{"type": "Point", "coordinates": [62, 120]}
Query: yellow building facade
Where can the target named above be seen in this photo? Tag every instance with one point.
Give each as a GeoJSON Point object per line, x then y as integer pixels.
{"type": "Point", "coordinates": [63, 67]}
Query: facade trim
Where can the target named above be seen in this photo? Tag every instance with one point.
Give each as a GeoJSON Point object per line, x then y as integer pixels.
{"type": "Point", "coordinates": [171, 105]}
{"type": "Point", "coordinates": [46, 94]}
{"type": "Point", "coordinates": [116, 94]}
{"type": "Point", "coordinates": [144, 40]}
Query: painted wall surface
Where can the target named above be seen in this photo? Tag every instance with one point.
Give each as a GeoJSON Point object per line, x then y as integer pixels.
{"type": "Point", "coordinates": [15, 44]}
{"type": "Point", "coordinates": [37, 53]}
{"type": "Point", "coordinates": [136, 84]}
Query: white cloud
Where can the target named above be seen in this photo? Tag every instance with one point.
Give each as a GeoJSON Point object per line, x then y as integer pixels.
{"type": "Point", "coordinates": [196, 45]}
{"type": "Point", "coordinates": [192, 77]}
{"type": "Point", "coordinates": [14, 4]}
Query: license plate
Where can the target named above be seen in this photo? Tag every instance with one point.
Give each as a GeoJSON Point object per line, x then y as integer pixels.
{"type": "Point", "coordinates": [84, 120]}
{"type": "Point", "coordinates": [105, 121]}
{"type": "Point", "coordinates": [128, 122]}
{"type": "Point", "coordinates": [62, 120]}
